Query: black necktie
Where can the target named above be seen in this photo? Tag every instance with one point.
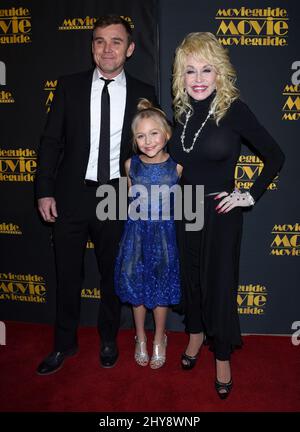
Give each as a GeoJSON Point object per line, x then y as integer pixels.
{"type": "Point", "coordinates": [104, 143]}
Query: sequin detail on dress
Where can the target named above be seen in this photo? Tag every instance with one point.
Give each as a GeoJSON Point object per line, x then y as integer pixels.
{"type": "Point", "coordinates": [147, 265]}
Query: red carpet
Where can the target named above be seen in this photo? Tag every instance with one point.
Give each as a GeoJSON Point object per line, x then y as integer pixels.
{"type": "Point", "coordinates": [265, 372]}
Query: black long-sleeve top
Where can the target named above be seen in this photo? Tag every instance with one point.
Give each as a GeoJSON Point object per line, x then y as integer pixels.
{"type": "Point", "coordinates": [216, 151]}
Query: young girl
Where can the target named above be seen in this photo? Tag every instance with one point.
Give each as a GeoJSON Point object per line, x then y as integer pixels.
{"type": "Point", "coordinates": [147, 266]}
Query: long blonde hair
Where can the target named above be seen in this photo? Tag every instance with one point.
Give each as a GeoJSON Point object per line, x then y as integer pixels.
{"type": "Point", "coordinates": [145, 110]}
{"type": "Point", "coordinates": [204, 46]}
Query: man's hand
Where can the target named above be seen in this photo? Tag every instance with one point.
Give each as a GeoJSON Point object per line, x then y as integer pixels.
{"type": "Point", "coordinates": [47, 209]}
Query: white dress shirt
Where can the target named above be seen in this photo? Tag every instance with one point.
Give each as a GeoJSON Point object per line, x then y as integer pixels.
{"type": "Point", "coordinates": [117, 94]}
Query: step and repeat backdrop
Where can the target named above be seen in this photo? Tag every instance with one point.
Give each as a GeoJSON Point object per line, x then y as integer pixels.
{"type": "Point", "coordinates": [41, 40]}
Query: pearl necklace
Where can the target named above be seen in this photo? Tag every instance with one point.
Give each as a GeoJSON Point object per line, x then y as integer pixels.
{"type": "Point", "coordinates": [187, 150]}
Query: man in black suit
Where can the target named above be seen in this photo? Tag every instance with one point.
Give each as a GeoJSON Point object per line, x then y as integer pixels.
{"type": "Point", "coordinates": [76, 155]}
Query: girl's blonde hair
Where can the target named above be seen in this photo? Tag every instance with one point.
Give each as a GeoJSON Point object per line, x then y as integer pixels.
{"type": "Point", "coordinates": [204, 46]}
{"type": "Point", "coordinates": [145, 109]}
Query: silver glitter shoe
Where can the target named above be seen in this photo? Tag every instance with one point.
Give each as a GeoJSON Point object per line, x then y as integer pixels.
{"type": "Point", "coordinates": [141, 354]}
{"type": "Point", "coordinates": [158, 358]}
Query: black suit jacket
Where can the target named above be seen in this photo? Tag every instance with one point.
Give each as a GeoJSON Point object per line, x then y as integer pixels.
{"type": "Point", "coordinates": [65, 144]}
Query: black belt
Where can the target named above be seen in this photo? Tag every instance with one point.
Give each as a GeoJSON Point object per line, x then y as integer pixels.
{"type": "Point", "coordinates": [210, 189]}
{"type": "Point", "coordinates": [92, 183]}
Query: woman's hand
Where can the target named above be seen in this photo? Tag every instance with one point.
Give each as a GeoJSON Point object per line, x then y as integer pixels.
{"type": "Point", "coordinates": [235, 199]}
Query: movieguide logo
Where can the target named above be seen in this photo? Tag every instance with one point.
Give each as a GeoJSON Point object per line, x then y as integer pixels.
{"type": "Point", "coordinates": [252, 299]}
{"type": "Point", "coordinates": [86, 23]}
{"type": "Point", "coordinates": [22, 288]}
{"type": "Point", "coordinates": [252, 27]}
{"type": "Point", "coordinates": [286, 240]}
{"type": "Point", "coordinates": [6, 97]}
{"type": "Point", "coordinates": [247, 169]}
{"type": "Point", "coordinates": [15, 26]}
{"type": "Point", "coordinates": [17, 165]}
{"type": "Point", "coordinates": [49, 88]}
{"type": "Point", "coordinates": [10, 228]}
{"type": "Point", "coordinates": [291, 106]}
{"type": "Point", "coordinates": [90, 293]}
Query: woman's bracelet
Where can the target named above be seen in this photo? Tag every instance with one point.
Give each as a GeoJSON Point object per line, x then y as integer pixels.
{"type": "Point", "coordinates": [250, 198]}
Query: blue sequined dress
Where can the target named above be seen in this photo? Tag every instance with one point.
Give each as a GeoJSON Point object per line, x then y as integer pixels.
{"type": "Point", "coordinates": [147, 265]}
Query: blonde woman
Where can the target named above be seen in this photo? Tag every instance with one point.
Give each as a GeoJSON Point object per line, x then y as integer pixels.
{"type": "Point", "coordinates": [211, 122]}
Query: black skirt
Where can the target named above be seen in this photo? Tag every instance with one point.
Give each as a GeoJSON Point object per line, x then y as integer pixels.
{"type": "Point", "coordinates": [209, 261]}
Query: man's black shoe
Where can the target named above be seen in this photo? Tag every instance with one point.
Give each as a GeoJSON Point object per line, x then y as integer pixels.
{"type": "Point", "coordinates": [109, 355]}
{"type": "Point", "coordinates": [54, 361]}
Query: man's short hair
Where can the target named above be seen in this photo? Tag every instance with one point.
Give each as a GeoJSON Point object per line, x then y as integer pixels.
{"type": "Point", "coordinates": [107, 20]}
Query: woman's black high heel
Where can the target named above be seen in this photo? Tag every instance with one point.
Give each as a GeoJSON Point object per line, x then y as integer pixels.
{"type": "Point", "coordinates": [223, 389]}
{"type": "Point", "coordinates": [188, 362]}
